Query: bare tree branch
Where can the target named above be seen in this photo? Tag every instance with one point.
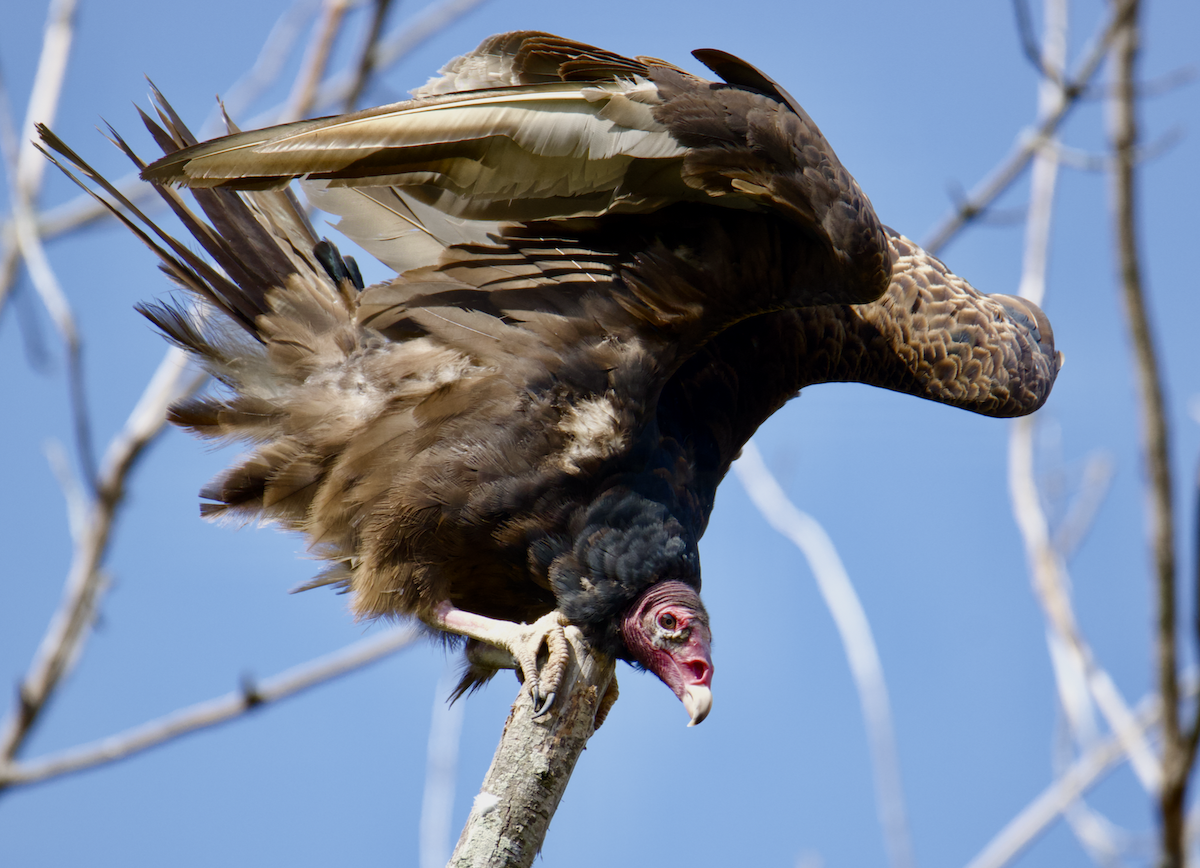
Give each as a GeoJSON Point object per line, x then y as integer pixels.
{"type": "Point", "coordinates": [1155, 87]}
{"type": "Point", "coordinates": [223, 709]}
{"type": "Point", "coordinates": [1050, 583]}
{"type": "Point", "coordinates": [855, 631]}
{"type": "Point", "coordinates": [435, 18]}
{"type": "Point", "coordinates": [43, 102]}
{"type": "Point", "coordinates": [441, 764]}
{"type": "Point", "coordinates": [532, 766]}
{"type": "Point", "coordinates": [1083, 774]}
{"type": "Point", "coordinates": [367, 56]}
{"type": "Point", "coordinates": [1178, 749]}
{"type": "Point", "coordinates": [1077, 158]}
{"type": "Point", "coordinates": [69, 627]}
{"type": "Point", "coordinates": [304, 89]}
{"type": "Point", "coordinates": [1080, 516]}
{"type": "Point", "coordinates": [267, 67]}
{"type": "Point", "coordinates": [27, 169]}
{"type": "Point", "coordinates": [1029, 44]}
{"type": "Point", "coordinates": [1008, 171]}
{"type": "Point", "coordinates": [1078, 676]}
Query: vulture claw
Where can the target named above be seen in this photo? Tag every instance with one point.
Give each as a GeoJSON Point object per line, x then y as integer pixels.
{"type": "Point", "coordinates": [523, 642]}
{"type": "Point", "coordinates": [544, 682]}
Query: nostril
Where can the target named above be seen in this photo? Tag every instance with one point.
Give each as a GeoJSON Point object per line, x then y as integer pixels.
{"type": "Point", "coordinates": [701, 671]}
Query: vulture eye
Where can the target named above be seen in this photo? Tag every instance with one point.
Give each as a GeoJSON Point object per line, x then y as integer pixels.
{"type": "Point", "coordinates": [667, 621]}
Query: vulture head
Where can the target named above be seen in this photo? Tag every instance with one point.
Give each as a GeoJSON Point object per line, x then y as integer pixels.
{"type": "Point", "coordinates": [631, 582]}
{"type": "Point", "coordinates": [667, 632]}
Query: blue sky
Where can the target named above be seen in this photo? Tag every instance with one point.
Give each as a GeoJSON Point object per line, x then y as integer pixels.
{"type": "Point", "coordinates": [918, 100]}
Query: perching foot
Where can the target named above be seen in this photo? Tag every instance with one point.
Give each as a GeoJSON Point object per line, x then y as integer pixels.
{"type": "Point", "coordinates": [522, 641]}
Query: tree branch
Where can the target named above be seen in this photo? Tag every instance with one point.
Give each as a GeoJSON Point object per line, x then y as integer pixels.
{"type": "Point", "coordinates": [367, 54]}
{"type": "Point", "coordinates": [532, 766]}
{"type": "Point", "coordinates": [312, 70]}
{"type": "Point", "coordinates": [1007, 172]}
{"type": "Point", "coordinates": [65, 635]}
{"type": "Point", "coordinates": [1082, 775]}
{"type": "Point", "coordinates": [857, 639]}
{"type": "Point", "coordinates": [209, 713]}
{"type": "Point", "coordinates": [1079, 677]}
{"type": "Point", "coordinates": [1178, 751]}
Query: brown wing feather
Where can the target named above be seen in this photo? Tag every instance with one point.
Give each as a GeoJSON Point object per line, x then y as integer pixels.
{"type": "Point", "coordinates": [565, 130]}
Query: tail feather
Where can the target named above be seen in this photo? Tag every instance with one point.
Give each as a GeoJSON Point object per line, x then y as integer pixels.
{"type": "Point", "coordinates": [279, 305]}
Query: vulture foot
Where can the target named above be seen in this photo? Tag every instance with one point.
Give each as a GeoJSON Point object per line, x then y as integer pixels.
{"type": "Point", "coordinates": [523, 642]}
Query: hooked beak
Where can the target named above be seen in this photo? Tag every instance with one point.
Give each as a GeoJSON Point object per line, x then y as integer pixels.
{"type": "Point", "coordinates": [697, 699]}
{"type": "Point", "coordinates": [688, 672]}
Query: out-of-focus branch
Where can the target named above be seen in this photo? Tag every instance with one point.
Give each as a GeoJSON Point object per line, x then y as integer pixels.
{"type": "Point", "coordinates": [69, 627]}
{"type": "Point", "coordinates": [30, 168]}
{"type": "Point", "coordinates": [27, 170]}
{"type": "Point", "coordinates": [532, 766]}
{"type": "Point", "coordinates": [367, 54]}
{"type": "Point", "coordinates": [1081, 514]}
{"type": "Point", "coordinates": [304, 90]}
{"type": "Point", "coordinates": [1079, 677]}
{"type": "Point", "coordinates": [268, 66]}
{"type": "Point", "coordinates": [1082, 775]}
{"type": "Point", "coordinates": [1077, 158]}
{"type": "Point", "coordinates": [857, 640]}
{"type": "Point", "coordinates": [435, 18]}
{"type": "Point", "coordinates": [210, 713]}
{"type": "Point", "coordinates": [441, 765]}
{"type": "Point", "coordinates": [1036, 55]}
{"type": "Point", "coordinates": [84, 209]}
{"type": "Point", "coordinates": [1050, 582]}
{"type": "Point", "coordinates": [1151, 88]}
{"type": "Point", "coordinates": [1178, 749]}
{"type": "Point", "coordinates": [1008, 171]}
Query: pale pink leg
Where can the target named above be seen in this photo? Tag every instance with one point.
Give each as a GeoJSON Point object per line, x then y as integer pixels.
{"type": "Point", "coordinates": [522, 641]}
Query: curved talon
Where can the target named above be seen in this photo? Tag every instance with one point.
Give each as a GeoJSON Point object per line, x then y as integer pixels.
{"type": "Point", "coordinates": [551, 673]}
{"type": "Point", "coordinates": [523, 642]}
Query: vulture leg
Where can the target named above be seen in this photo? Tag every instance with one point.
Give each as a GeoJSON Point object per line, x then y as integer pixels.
{"type": "Point", "coordinates": [522, 641]}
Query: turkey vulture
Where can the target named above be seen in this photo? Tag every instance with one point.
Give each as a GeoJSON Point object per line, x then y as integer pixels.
{"type": "Point", "coordinates": [610, 272]}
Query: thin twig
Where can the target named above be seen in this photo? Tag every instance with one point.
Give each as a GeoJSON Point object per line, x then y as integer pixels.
{"type": "Point", "coordinates": [267, 68]}
{"type": "Point", "coordinates": [441, 765]}
{"type": "Point", "coordinates": [212, 712]}
{"type": "Point", "coordinates": [1029, 44]}
{"type": "Point", "coordinates": [28, 171]}
{"type": "Point", "coordinates": [1050, 582]}
{"type": "Point", "coordinates": [435, 18]}
{"type": "Point", "coordinates": [68, 628]}
{"type": "Point", "coordinates": [855, 631]}
{"type": "Point", "coordinates": [1011, 168]}
{"type": "Point", "coordinates": [1178, 749]}
{"type": "Point", "coordinates": [1082, 775]}
{"type": "Point", "coordinates": [1077, 676]}
{"type": "Point", "coordinates": [1080, 516]}
{"type": "Point", "coordinates": [1077, 158]}
{"type": "Point", "coordinates": [1151, 88]}
{"type": "Point", "coordinates": [316, 59]}
{"type": "Point", "coordinates": [367, 54]}
{"type": "Point", "coordinates": [43, 102]}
